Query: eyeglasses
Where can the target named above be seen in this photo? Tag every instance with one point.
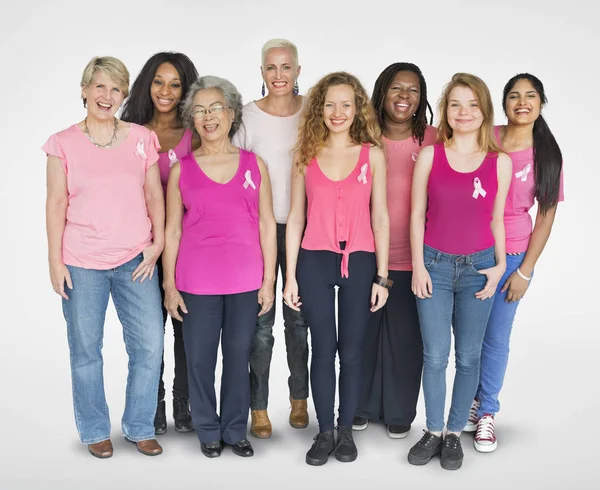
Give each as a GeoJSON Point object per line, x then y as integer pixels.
{"type": "Point", "coordinates": [200, 112]}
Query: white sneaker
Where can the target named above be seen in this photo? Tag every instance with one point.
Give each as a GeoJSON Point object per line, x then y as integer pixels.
{"type": "Point", "coordinates": [473, 418]}
{"type": "Point", "coordinates": [485, 439]}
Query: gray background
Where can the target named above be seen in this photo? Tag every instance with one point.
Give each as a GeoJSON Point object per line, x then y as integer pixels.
{"type": "Point", "coordinates": [546, 430]}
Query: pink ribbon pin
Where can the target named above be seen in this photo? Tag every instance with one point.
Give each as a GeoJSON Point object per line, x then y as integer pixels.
{"type": "Point", "coordinates": [479, 190]}
{"type": "Point", "coordinates": [172, 158]}
{"type": "Point", "coordinates": [140, 149]}
{"type": "Point", "coordinates": [523, 173]}
{"type": "Point", "coordinates": [363, 173]}
{"type": "Point", "coordinates": [248, 182]}
{"type": "Point", "coordinates": [414, 156]}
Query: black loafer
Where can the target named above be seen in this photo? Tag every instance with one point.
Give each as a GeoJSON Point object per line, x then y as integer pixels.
{"type": "Point", "coordinates": [211, 449]}
{"type": "Point", "coordinates": [243, 448]}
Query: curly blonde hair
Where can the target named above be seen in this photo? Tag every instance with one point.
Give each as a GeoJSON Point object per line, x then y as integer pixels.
{"type": "Point", "coordinates": [313, 132]}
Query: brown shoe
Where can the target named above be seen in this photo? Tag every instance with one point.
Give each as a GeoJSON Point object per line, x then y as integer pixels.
{"type": "Point", "coordinates": [102, 449]}
{"type": "Point", "coordinates": [149, 447]}
{"type": "Point", "coordinates": [261, 425]}
{"type": "Point", "coordinates": [299, 414]}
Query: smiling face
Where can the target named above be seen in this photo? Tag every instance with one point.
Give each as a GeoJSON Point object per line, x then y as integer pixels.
{"type": "Point", "coordinates": [103, 96]}
{"type": "Point", "coordinates": [523, 103]}
{"type": "Point", "coordinates": [402, 98]}
{"type": "Point", "coordinates": [166, 89]}
{"type": "Point", "coordinates": [214, 125]}
{"type": "Point", "coordinates": [280, 71]}
{"type": "Point", "coordinates": [339, 108]}
{"type": "Point", "coordinates": [463, 113]}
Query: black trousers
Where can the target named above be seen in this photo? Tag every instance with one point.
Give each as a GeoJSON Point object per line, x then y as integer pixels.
{"type": "Point", "coordinates": [318, 272]}
{"type": "Point", "coordinates": [232, 319]}
{"type": "Point", "coordinates": [180, 380]}
{"type": "Point", "coordinates": [393, 358]}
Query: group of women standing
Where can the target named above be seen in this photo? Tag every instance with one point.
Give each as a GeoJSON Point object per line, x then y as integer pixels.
{"type": "Point", "coordinates": [421, 231]}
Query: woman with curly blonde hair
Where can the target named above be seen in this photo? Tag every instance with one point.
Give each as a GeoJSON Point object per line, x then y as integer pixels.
{"type": "Point", "coordinates": [340, 173]}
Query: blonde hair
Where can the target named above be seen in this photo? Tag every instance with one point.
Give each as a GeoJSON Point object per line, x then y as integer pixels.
{"type": "Point", "coordinates": [313, 132]}
{"type": "Point", "coordinates": [279, 43]}
{"type": "Point", "coordinates": [111, 67]}
{"type": "Point", "coordinates": [486, 139]}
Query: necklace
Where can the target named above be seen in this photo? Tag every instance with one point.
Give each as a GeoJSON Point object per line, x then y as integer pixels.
{"type": "Point", "coordinates": [107, 145]}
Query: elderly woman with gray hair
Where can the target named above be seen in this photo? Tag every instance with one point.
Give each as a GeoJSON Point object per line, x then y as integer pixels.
{"type": "Point", "coordinates": [219, 261]}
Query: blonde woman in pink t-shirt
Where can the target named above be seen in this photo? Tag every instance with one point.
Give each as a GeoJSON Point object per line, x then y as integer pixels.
{"type": "Point", "coordinates": [536, 175]}
{"type": "Point", "coordinates": [105, 217]}
{"type": "Point", "coordinates": [393, 350]}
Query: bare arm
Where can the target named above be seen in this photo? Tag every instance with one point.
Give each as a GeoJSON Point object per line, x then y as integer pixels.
{"type": "Point", "coordinates": [57, 199]}
{"type": "Point", "coordinates": [268, 239]}
{"type": "Point", "coordinates": [421, 282]}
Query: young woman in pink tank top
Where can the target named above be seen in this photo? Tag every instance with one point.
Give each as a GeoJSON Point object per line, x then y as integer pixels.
{"type": "Point", "coordinates": [154, 103]}
{"type": "Point", "coordinates": [536, 175]}
{"type": "Point", "coordinates": [219, 261]}
{"type": "Point", "coordinates": [393, 350]}
{"type": "Point", "coordinates": [338, 193]}
{"type": "Point", "coordinates": [458, 252]}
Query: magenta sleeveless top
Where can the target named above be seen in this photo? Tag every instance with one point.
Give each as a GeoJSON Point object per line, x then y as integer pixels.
{"type": "Point", "coordinates": [339, 210]}
{"type": "Point", "coordinates": [168, 158]}
{"type": "Point", "coordinates": [219, 251]}
{"type": "Point", "coordinates": [460, 205]}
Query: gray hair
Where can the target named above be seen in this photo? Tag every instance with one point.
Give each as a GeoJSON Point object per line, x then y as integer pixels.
{"type": "Point", "coordinates": [232, 98]}
{"type": "Point", "coordinates": [279, 43]}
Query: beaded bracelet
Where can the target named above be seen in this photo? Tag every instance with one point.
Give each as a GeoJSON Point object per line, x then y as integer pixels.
{"type": "Point", "coordinates": [382, 281]}
{"type": "Point", "coordinates": [523, 276]}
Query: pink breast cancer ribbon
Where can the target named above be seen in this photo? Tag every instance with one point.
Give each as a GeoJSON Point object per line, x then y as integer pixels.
{"type": "Point", "coordinates": [172, 158]}
{"type": "Point", "coordinates": [479, 191]}
{"type": "Point", "coordinates": [363, 173]}
{"type": "Point", "coordinates": [414, 156]}
{"type": "Point", "coordinates": [140, 149]}
{"type": "Point", "coordinates": [523, 173]}
{"type": "Point", "coordinates": [248, 182]}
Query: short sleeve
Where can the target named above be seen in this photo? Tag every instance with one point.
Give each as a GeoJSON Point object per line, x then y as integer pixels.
{"type": "Point", "coordinates": [153, 147]}
{"type": "Point", "coordinates": [561, 192]}
{"type": "Point", "coordinates": [54, 147]}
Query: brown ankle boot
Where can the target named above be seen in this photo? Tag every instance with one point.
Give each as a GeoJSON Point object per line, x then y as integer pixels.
{"type": "Point", "coordinates": [102, 450]}
{"type": "Point", "coordinates": [299, 414]}
{"type": "Point", "coordinates": [261, 425]}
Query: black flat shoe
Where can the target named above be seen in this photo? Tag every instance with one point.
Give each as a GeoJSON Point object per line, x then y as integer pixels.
{"type": "Point", "coordinates": [345, 449]}
{"type": "Point", "coordinates": [323, 446]}
{"type": "Point", "coordinates": [243, 448]}
{"type": "Point", "coordinates": [160, 419]}
{"type": "Point", "coordinates": [211, 449]}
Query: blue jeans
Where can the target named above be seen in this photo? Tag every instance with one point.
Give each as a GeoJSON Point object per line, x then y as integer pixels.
{"type": "Point", "coordinates": [453, 304]}
{"type": "Point", "coordinates": [138, 308]}
{"type": "Point", "coordinates": [494, 355]}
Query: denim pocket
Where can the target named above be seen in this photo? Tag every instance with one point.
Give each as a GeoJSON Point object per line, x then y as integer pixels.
{"type": "Point", "coordinates": [430, 261]}
{"type": "Point", "coordinates": [484, 264]}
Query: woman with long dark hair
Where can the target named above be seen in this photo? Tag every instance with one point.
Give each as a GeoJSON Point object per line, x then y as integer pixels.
{"type": "Point", "coordinates": [536, 176]}
{"type": "Point", "coordinates": [393, 350]}
{"type": "Point", "coordinates": [154, 103]}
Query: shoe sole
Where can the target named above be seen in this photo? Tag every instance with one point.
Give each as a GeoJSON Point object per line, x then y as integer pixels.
{"type": "Point", "coordinates": [470, 428]}
{"type": "Point", "coordinates": [100, 456]}
{"type": "Point", "coordinates": [184, 430]}
{"type": "Point", "coordinates": [485, 448]}
{"type": "Point", "coordinates": [299, 426]}
{"type": "Point", "coordinates": [454, 465]}
{"type": "Point", "coordinates": [397, 436]}
{"type": "Point", "coordinates": [346, 459]}
{"type": "Point", "coordinates": [242, 455]}
{"type": "Point", "coordinates": [160, 432]}
{"type": "Point", "coordinates": [360, 427]}
{"type": "Point", "coordinates": [211, 455]}
{"type": "Point", "coordinates": [318, 462]}
{"type": "Point", "coordinates": [420, 462]}
{"type": "Point", "coordinates": [260, 437]}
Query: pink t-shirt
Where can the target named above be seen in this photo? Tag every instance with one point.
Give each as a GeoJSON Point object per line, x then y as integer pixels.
{"type": "Point", "coordinates": [219, 251]}
{"type": "Point", "coordinates": [339, 210]}
{"type": "Point", "coordinates": [401, 157]}
{"type": "Point", "coordinates": [166, 159]}
{"type": "Point", "coordinates": [107, 220]}
{"type": "Point", "coordinates": [521, 196]}
{"type": "Point", "coordinates": [460, 205]}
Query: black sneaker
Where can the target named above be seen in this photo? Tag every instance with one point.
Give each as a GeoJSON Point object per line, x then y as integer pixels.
{"type": "Point", "coordinates": [181, 415]}
{"type": "Point", "coordinates": [211, 449]}
{"type": "Point", "coordinates": [323, 446]}
{"type": "Point", "coordinates": [243, 448]}
{"type": "Point", "coordinates": [360, 423]}
{"type": "Point", "coordinates": [345, 450]}
{"type": "Point", "coordinates": [452, 453]}
{"type": "Point", "coordinates": [398, 431]}
{"type": "Point", "coordinates": [160, 419]}
{"type": "Point", "coordinates": [422, 452]}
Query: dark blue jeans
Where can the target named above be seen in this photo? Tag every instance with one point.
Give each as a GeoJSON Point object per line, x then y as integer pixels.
{"type": "Point", "coordinates": [296, 343]}
{"type": "Point", "coordinates": [453, 305]}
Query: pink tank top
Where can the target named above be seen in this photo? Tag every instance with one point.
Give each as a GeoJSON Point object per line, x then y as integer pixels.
{"type": "Point", "coordinates": [339, 211]}
{"type": "Point", "coordinates": [166, 159]}
{"type": "Point", "coordinates": [219, 251]}
{"type": "Point", "coordinates": [460, 205]}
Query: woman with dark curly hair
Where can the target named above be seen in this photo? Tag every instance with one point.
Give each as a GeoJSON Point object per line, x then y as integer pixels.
{"type": "Point", "coordinates": [339, 172]}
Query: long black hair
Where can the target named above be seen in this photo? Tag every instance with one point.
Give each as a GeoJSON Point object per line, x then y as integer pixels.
{"type": "Point", "coordinates": [139, 108]}
{"type": "Point", "coordinates": [547, 157]}
{"type": "Point", "coordinates": [382, 85]}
